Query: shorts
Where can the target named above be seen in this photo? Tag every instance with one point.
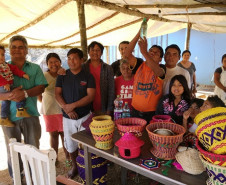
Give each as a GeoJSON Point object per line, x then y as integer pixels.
{"type": "Point", "coordinates": [70, 127]}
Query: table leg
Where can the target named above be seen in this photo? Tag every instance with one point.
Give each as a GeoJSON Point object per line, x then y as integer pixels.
{"type": "Point", "coordinates": [88, 166]}
{"type": "Point", "coordinates": [123, 176]}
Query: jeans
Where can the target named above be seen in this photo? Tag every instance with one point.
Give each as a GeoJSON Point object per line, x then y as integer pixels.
{"type": "Point", "coordinates": [5, 106]}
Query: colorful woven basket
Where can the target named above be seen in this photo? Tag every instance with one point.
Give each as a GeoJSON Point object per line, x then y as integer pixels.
{"type": "Point", "coordinates": [216, 173]}
{"type": "Point", "coordinates": [165, 147]}
{"type": "Point", "coordinates": [129, 145]}
{"type": "Point", "coordinates": [161, 118]}
{"type": "Point", "coordinates": [99, 168]}
{"type": "Point", "coordinates": [102, 129]}
{"type": "Point", "coordinates": [219, 147]}
{"type": "Point", "coordinates": [211, 157]}
{"type": "Point", "coordinates": [211, 126]}
{"type": "Point", "coordinates": [134, 125]}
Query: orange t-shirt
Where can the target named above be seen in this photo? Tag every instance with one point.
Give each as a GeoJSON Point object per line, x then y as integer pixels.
{"type": "Point", "coordinates": [147, 89]}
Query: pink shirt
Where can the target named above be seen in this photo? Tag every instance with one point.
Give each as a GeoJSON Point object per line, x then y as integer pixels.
{"type": "Point", "coordinates": [124, 89]}
{"type": "Point", "coordinates": [95, 71]}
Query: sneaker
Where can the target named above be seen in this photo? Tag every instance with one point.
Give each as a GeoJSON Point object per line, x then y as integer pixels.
{"type": "Point", "coordinates": [22, 112]}
{"type": "Point", "coordinates": [6, 122]}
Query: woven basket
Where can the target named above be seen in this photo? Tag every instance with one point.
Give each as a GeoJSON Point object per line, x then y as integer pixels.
{"type": "Point", "coordinates": [134, 125]}
{"type": "Point", "coordinates": [219, 147]}
{"type": "Point", "coordinates": [165, 147]}
{"type": "Point", "coordinates": [161, 118]}
{"type": "Point", "coordinates": [211, 157]}
{"type": "Point", "coordinates": [102, 129]}
{"type": "Point", "coordinates": [190, 161]}
{"type": "Point", "coordinates": [217, 174]}
{"type": "Point", "coordinates": [211, 126]}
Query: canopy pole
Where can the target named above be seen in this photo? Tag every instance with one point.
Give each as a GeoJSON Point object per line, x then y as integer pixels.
{"type": "Point", "coordinates": [188, 36]}
{"type": "Point", "coordinates": [82, 27]}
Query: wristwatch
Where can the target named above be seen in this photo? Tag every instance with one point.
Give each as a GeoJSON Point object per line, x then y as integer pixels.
{"type": "Point", "coordinates": [25, 94]}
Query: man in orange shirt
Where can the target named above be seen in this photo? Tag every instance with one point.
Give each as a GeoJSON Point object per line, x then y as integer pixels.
{"type": "Point", "coordinates": [148, 80]}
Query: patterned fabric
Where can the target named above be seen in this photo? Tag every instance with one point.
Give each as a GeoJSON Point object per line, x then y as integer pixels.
{"type": "Point", "coordinates": [166, 107]}
{"type": "Point", "coordinates": [99, 168]}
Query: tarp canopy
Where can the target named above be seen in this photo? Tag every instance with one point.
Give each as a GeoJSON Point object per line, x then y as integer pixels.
{"type": "Point", "coordinates": [55, 23]}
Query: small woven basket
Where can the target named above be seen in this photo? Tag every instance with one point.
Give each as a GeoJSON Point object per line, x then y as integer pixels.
{"type": "Point", "coordinates": [165, 147]}
{"type": "Point", "coordinates": [161, 118]}
{"type": "Point", "coordinates": [211, 157]}
{"type": "Point", "coordinates": [217, 174]}
{"type": "Point", "coordinates": [134, 125]}
{"type": "Point", "coordinates": [102, 129]}
{"type": "Point", "coordinates": [190, 161]}
{"type": "Point", "coordinates": [211, 126]}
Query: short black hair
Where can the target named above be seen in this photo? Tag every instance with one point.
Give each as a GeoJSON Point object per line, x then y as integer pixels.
{"type": "Point", "coordinates": [75, 50]}
{"type": "Point", "coordinates": [160, 49]}
{"type": "Point", "coordinates": [186, 51]}
{"type": "Point", "coordinates": [215, 101]}
{"type": "Point", "coordinates": [224, 56]}
{"type": "Point", "coordinates": [123, 42]}
{"type": "Point", "coordinates": [55, 55]}
{"type": "Point", "coordinates": [92, 45]}
{"type": "Point", "coordinates": [199, 102]}
{"type": "Point", "coordinates": [173, 46]}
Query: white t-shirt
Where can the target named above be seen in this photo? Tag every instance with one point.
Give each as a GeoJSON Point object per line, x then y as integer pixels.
{"type": "Point", "coordinates": [49, 103]}
{"type": "Point", "coordinates": [170, 73]}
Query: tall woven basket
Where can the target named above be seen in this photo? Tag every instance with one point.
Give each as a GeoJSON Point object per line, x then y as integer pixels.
{"type": "Point", "coordinates": [165, 147]}
{"type": "Point", "coordinates": [102, 129]}
{"type": "Point", "coordinates": [216, 173]}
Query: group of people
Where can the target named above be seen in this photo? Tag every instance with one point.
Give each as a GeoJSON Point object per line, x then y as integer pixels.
{"type": "Point", "coordinates": [88, 88]}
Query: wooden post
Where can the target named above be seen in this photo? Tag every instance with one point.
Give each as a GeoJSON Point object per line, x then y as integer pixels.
{"type": "Point", "coordinates": [82, 27]}
{"type": "Point", "coordinates": [188, 36]}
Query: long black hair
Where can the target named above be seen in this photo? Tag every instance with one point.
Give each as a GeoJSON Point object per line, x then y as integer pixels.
{"type": "Point", "coordinates": [186, 94]}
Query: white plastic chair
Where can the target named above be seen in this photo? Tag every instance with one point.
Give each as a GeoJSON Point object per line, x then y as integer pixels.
{"type": "Point", "coordinates": [39, 166]}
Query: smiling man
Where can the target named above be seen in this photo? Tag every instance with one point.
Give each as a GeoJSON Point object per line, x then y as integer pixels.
{"type": "Point", "coordinates": [75, 93]}
{"type": "Point", "coordinates": [172, 56]}
{"type": "Point", "coordinates": [29, 127]}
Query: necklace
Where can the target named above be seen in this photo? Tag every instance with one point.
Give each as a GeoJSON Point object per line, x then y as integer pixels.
{"type": "Point", "coordinates": [133, 66]}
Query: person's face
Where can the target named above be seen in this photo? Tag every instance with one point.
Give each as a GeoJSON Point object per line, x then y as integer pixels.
{"type": "Point", "coordinates": [224, 62]}
{"type": "Point", "coordinates": [171, 57]}
{"type": "Point", "coordinates": [2, 56]}
{"type": "Point", "coordinates": [125, 70]}
{"type": "Point", "coordinates": [74, 62]}
{"type": "Point", "coordinates": [195, 110]}
{"type": "Point", "coordinates": [177, 88]}
{"type": "Point", "coordinates": [18, 50]}
{"type": "Point", "coordinates": [206, 105]}
{"type": "Point", "coordinates": [53, 64]}
{"type": "Point", "coordinates": [95, 53]}
{"type": "Point", "coordinates": [186, 56]}
{"type": "Point", "coordinates": [154, 53]}
{"type": "Point", "coordinates": [122, 49]}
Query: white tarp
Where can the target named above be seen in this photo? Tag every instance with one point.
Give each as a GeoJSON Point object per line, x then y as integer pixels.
{"type": "Point", "coordinates": [63, 23]}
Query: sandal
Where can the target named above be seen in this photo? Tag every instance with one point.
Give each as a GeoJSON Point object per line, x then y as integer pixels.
{"type": "Point", "coordinates": [68, 163]}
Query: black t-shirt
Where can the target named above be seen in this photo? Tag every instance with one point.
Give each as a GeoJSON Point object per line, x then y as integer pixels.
{"type": "Point", "coordinates": [74, 88]}
{"type": "Point", "coordinates": [115, 66]}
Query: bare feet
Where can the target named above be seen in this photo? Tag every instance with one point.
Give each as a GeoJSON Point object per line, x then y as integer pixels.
{"type": "Point", "coordinates": [72, 173]}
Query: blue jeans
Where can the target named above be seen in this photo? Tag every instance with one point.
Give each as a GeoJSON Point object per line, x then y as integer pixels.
{"type": "Point", "coordinates": [5, 106]}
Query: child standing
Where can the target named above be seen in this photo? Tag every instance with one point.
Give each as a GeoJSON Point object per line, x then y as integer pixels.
{"type": "Point", "coordinates": [6, 84]}
{"type": "Point", "coordinates": [177, 101]}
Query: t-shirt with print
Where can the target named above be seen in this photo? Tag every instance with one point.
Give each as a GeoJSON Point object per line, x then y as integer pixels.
{"type": "Point", "coordinates": [147, 89]}
{"type": "Point", "coordinates": [74, 88]}
{"type": "Point", "coordinates": [124, 89]}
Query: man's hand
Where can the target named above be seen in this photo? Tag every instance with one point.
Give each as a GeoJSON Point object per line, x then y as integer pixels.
{"type": "Point", "coordinates": [143, 44]}
{"type": "Point", "coordinates": [7, 87]}
{"type": "Point", "coordinates": [68, 108]}
{"type": "Point", "coordinates": [26, 76]}
{"type": "Point", "coordinates": [17, 94]}
{"type": "Point", "coordinates": [72, 115]}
